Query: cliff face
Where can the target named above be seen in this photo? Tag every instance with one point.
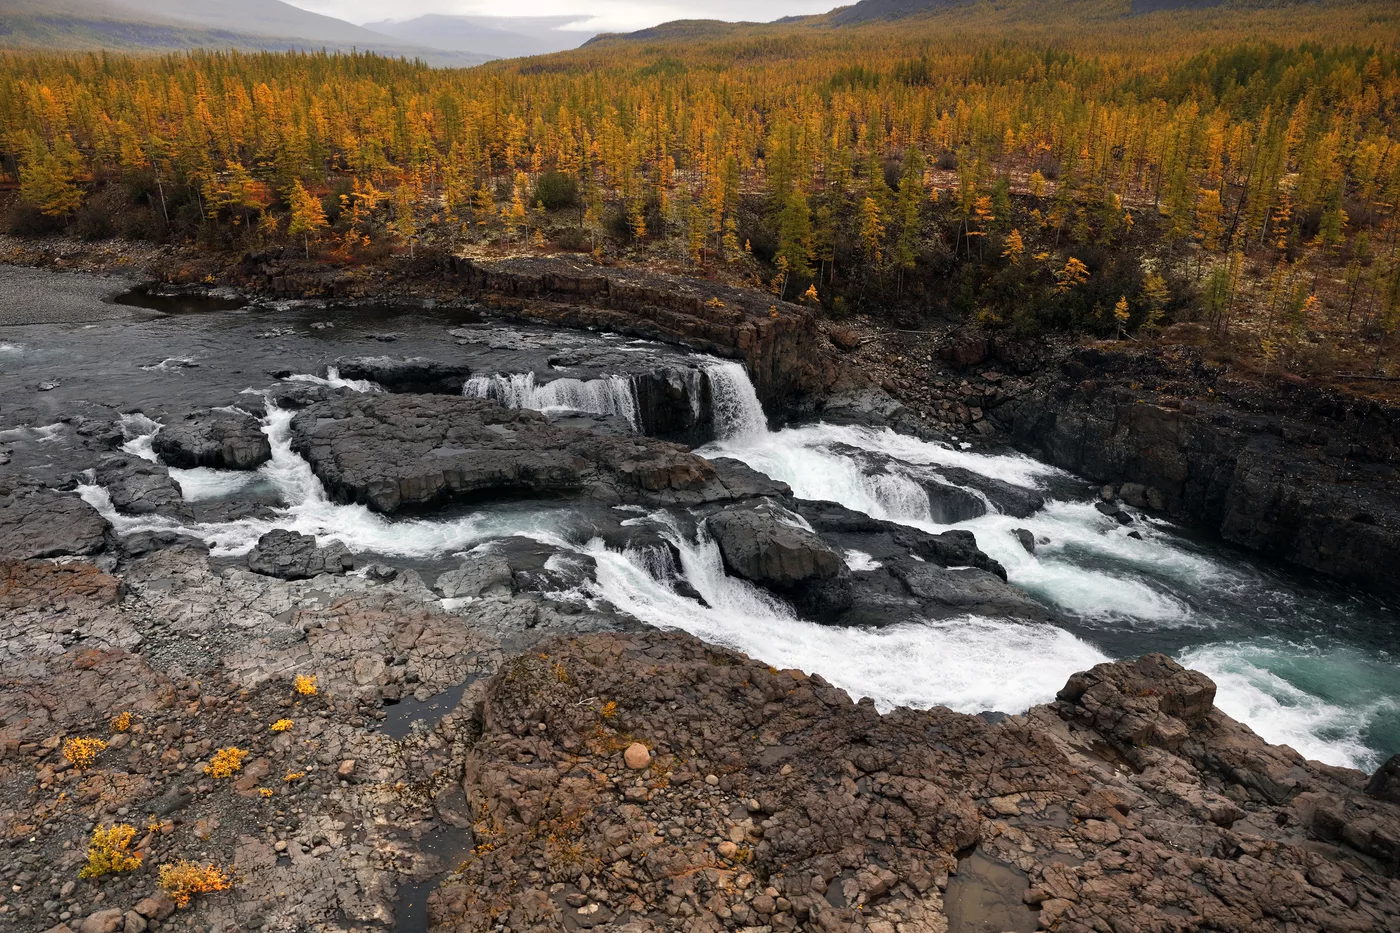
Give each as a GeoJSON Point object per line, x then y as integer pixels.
{"type": "Point", "coordinates": [786, 354]}
{"type": "Point", "coordinates": [1300, 477]}
{"type": "Point", "coordinates": [788, 357]}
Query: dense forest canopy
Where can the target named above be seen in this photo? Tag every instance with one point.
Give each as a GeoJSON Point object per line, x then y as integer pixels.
{"type": "Point", "coordinates": [1083, 169]}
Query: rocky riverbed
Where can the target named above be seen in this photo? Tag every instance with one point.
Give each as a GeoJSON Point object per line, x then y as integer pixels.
{"type": "Point", "coordinates": [427, 569]}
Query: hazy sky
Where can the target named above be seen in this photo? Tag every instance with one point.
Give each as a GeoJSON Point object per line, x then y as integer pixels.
{"type": "Point", "coordinates": [606, 15]}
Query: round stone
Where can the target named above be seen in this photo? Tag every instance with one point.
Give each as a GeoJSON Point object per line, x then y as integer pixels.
{"type": "Point", "coordinates": [637, 756]}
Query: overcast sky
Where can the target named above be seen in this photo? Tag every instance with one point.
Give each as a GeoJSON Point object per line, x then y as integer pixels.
{"type": "Point", "coordinates": [595, 15]}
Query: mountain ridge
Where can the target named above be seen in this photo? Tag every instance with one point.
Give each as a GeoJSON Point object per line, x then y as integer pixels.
{"type": "Point", "coordinates": [169, 25]}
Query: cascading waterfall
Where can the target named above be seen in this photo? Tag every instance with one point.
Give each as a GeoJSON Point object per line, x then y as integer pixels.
{"type": "Point", "coordinates": [969, 664]}
{"type": "Point", "coordinates": [1119, 595]}
{"type": "Point", "coordinates": [734, 405]}
{"type": "Point", "coordinates": [607, 395]}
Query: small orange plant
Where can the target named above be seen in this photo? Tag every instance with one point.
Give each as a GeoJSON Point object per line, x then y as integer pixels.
{"type": "Point", "coordinates": [182, 880]}
{"type": "Point", "coordinates": [81, 753]}
{"type": "Point", "coordinates": [121, 722]}
{"type": "Point", "coordinates": [226, 762]}
{"type": "Point", "coordinates": [110, 851]}
{"type": "Point", "coordinates": [282, 725]}
{"type": "Point", "coordinates": [305, 684]}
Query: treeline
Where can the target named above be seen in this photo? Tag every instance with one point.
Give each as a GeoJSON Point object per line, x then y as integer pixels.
{"type": "Point", "coordinates": [1054, 173]}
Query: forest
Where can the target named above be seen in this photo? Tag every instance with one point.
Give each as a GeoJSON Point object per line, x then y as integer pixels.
{"type": "Point", "coordinates": [1235, 170]}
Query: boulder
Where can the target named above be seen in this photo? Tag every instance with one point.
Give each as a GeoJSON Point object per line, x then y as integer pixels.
{"type": "Point", "coordinates": [946, 591]}
{"type": "Point", "coordinates": [37, 522]}
{"type": "Point", "coordinates": [293, 556]}
{"type": "Point", "coordinates": [139, 487]}
{"type": "Point", "coordinates": [770, 546]}
{"type": "Point", "coordinates": [949, 504]}
{"type": "Point", "coordinates": [1150, 701]}
{"type": "Point", "coordinates": [1008, 498]}
{"type": "Point", "coordinates": [225, 439]}
{"type": "Point", "coordinates": [405, 374]}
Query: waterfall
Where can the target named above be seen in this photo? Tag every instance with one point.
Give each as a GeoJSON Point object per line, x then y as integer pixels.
{"type": "Point", "coordinates": [607, 395]}
{"type": "Point", "coordinates": [734, 405]}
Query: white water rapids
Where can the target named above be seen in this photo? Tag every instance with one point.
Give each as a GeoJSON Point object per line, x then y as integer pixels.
{"type": "Point", "coordinates": [1114, 587]}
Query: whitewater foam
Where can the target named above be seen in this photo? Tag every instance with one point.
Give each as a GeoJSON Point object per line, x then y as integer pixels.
{"type": "Point", "coordinates": [1259, 684]}
{"type": "Point", "coordinates": [333, 380]}
{"type": "Point", "coordinates": [606, 395]}
{"type": "Point", "coordinates": [969, 664]}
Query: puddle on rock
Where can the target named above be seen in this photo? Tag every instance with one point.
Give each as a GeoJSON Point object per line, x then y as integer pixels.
{"type": "Point", "coordinates": [400, 718]}
{"type": "Point", "coordinates": [985, 896]}
{"type": "Point", "coordinates": [450, 846]}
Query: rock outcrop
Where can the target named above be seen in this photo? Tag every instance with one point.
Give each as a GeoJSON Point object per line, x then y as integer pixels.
{"type": "Point", "coordinates": [37, 522]}
{"type": "Point", "coordinates": [770, 800]}
{"type": "Point", "coordinates": [768, 545]}
{"type": "Point", "coordinates": [779, 342]}
{"type": "Point", "coordinates": [293, 556]}
{"type": "Point", "coordinates": [399, 374]}
{"type": "Point", "coordinates": [1309, 481]}
{"type": "Point", "coordinates": [223, 439]}
{"type": "Point", "coordinates": [139, 487]}
{"type": "Point", "coordinates": [396, 452]}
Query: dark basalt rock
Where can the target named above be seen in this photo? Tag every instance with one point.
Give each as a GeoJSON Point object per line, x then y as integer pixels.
{"type": "Point", "coordinates": [1008, 498]}
{"type": "Point", "coordinates": [226, 440]}
{"type": "Point", "coordinates": [1308, 480]}
{"type": "Point", "coordinates": [37, 522]}
{"type": "Point", "coordinates": [768, 545]}
{"type": "Point", "coordinates": [765, 544]}
{"type": "Point", "coordinates": [400, 374]}
{"type": "Point", "coordinates": [949, 505]}
{"type": "Point", "coordinates": [395, 452]}
{"type": "Point", "coordinates": [293, 556]}
{"type": "Point", "coordinates": [965, 590]}
{"type": "Point", "coordinates": [139, 487]}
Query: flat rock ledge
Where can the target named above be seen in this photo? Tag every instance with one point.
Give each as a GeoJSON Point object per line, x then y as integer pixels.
{"type": "Point", "coordinates": [403, 452]}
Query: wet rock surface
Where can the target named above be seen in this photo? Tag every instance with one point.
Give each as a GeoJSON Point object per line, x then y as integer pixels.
{"type": "Point", "coordinates": [399, 374]}
{"type": "Point", "coordinates": [228, 440]}
{"type": "Point", "coordinates": [139, 487]}
{"type": "Point", "coordinates": [402, 452]}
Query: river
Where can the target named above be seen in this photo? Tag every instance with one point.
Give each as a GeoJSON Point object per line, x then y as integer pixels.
{"type": "Point", "coordinates": [1302, 662]}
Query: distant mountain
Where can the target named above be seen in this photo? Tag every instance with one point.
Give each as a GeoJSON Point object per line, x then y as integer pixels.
{"type": "Point", "coordinates": [501, 36]}
{"type": "Point", "coordinates": [869, 10]}
{"type": "Point", "coordinates": [176, 24]}
{"type": "Point", "coordinates": [676, 29]}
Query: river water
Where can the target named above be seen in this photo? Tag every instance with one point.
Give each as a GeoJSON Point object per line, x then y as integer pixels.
{"type": "Point", "coordinates": [1302, 662]}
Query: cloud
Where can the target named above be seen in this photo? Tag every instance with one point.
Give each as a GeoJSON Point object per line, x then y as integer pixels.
{"type": "Point", "coordinates": [595, 15]}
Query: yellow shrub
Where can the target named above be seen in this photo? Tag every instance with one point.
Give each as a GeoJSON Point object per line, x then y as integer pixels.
{"type": "Point", "coordinates": [226, 762]}
{"type": "Point", "coordinates": [109, 851]}
{"type": "Point", "coordinates": [265, 791]}
{"type": "Point", "coordinates": [282, 725]}
{"type": "Point", "coordinates": [609, 709]}
{"type": "Point", "coordinates": [121, 722]}
{"type": "Point", "coordinates": [82, 752]}
{"type": "Point", "coordinates": [305, 684]}
{"type": "Point", "coordinates": [294, 776]}
{"type": "Point", "coordinates": [182, 880]}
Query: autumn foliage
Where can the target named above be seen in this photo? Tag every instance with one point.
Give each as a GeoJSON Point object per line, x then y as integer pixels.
{"type": "Point", "coordinates": [987, 150]}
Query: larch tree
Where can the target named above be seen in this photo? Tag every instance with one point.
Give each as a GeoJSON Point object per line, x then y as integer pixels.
{"type": "Point", "coordinates": [308, 217]}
